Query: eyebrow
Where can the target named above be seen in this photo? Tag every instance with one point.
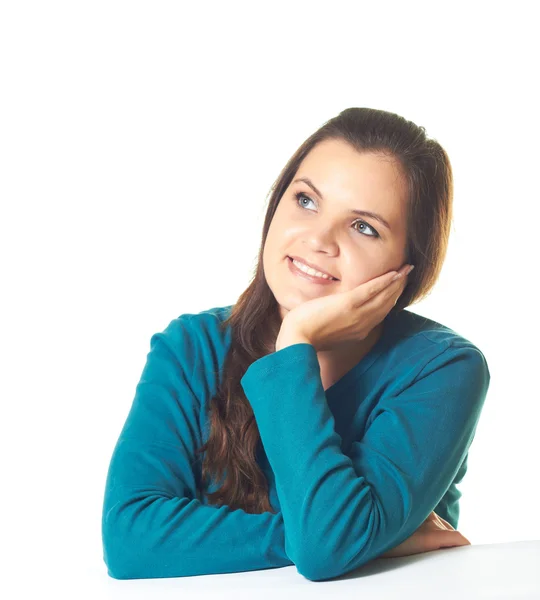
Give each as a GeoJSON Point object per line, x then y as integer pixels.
{"type": "Point", "coordinates": [362, 213]}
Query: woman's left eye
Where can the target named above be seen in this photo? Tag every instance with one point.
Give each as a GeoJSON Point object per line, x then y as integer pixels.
{"type": "Point", "coordinates": [375, 233]}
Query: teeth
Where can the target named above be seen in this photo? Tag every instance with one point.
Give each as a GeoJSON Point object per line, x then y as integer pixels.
{"type": "Point", "coordinates": [309, 270]}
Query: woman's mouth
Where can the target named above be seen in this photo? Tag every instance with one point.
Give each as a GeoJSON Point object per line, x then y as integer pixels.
{"type": "Point", "coordinates": [297, 269]}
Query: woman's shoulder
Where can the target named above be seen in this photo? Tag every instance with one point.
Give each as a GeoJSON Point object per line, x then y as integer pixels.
{"type": "Point", "coordinates": [207, 323]}
{"type": "Point", "coordinates": [200, 342]}
{"type": "Point", "coordinates": [419, 335]}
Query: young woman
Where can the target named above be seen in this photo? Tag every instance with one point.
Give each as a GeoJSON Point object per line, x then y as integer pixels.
{"type": "Point", "coordinates": [316, 421]}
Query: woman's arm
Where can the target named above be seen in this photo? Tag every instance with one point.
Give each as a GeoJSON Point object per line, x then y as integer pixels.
{"type": "Point", "coordinates": [153, 525]}
{"type": "Point", "coordinates": [342, 511]}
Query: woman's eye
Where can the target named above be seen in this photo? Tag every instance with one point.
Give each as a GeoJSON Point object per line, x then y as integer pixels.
{"type": "Point", "coordinates": [375, 233]}
{"type": "Point", "coordinates": [301, 195]}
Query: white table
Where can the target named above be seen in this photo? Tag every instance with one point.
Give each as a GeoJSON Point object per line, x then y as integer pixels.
{"type": "Point", "coordinates": [507, 571]}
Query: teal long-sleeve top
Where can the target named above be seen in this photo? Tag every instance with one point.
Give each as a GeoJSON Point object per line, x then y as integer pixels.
{"type": "Point", "coordinates": [353, 471]}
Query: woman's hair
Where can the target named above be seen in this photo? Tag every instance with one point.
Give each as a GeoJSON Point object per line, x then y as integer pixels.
{"type": "Point", "coordinates": [234, 440]}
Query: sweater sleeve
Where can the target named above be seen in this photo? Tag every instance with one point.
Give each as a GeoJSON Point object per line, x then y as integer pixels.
{"type": "Point", "coordinates": [152, 523]}
{"type": "Point", "coordinates": [342, 511]}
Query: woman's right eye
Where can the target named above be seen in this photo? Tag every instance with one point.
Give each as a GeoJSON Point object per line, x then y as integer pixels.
{"type": "Point", "coordinates": [300, 195]}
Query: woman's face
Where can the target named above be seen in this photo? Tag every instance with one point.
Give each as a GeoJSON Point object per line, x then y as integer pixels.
{"type": "Point", "coordinates": [325, 231]}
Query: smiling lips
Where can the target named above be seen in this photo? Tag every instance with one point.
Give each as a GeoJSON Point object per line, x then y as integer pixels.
{"type": "Point", "coordinates": [298, 269]}
{"type": "Point", "coordinates": [315, 269]}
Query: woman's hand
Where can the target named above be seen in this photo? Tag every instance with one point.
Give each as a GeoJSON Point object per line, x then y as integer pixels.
{"type": "Point", "coordinates": [344, 316]}
{"type": "Point", "coordinates": [434, 533]}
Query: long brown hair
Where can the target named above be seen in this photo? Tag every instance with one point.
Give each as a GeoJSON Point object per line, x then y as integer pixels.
{"type": "Point", "coordinates": [234, 439]}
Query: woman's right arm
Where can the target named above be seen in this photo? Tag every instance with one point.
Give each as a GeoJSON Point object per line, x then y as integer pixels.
{"type": "Point", "coordinates": [153, 525]}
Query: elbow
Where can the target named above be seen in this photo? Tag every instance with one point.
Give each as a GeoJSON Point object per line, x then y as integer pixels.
{"type": "Point", "coordinates": [117, 552]}
{"type": "Point", "coordinates": [117, 572]}
{"type": "Point", "coordinates": [126, 546]}
{"type": "Point", "coordinates": [316, 572]}
{"type": "Point", "coordinates": [114, 568]}
{"type": "Point", "coordinates": [317, 567]}
{"type": "Point", "coordinates": [127, 556]}
{"type": "Point", "coordinates": [310, 573]}
{"type": "Point", "coordinates": [341, 551]}
{"type": "Point", "coordinates": [124, 571]}
{"type": "Point", "coordinates": [323, 569]}
{"type": "Point", "coordinates": [307, 564]}
{"type": "Point", "coordinates": [115, 560]}
{"type": "Point", "coordinates": [323, 560]}
{"type": "Point", "coordinates": [122, 565]}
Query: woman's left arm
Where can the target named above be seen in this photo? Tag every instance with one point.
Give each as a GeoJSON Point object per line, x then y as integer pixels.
{"type": "Point", "coordinates": [342, 511]}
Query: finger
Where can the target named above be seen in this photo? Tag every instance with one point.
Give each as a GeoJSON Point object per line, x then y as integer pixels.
{"type": "Point", "coordinates": [463, 540]}
{"type": "Point", "coordinates": [460, 540]}
{"type": "Point", "coordinates": [397, 290]}
{"type": "Point", "coordinates": [446, 523]}
{"type": "Point", "coordinates": [377, 285]}
{"type": "Point", "coordinates": [380, 303]}
{"type": "Point", "coordinates": [368, 290]}
{"type": "Point", "coordinates": [392, 293]}
{"type": "Point", "coordinates": [443, 521]}
{"type": "Point", "coordinates": [448, 539]}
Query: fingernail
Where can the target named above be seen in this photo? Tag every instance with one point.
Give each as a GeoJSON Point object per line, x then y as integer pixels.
{"type": "Point", "coordinates": [409, 270]}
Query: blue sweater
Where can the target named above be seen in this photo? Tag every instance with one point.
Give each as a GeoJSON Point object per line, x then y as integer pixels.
{"type": "Point", "coordinates": [353, 471]}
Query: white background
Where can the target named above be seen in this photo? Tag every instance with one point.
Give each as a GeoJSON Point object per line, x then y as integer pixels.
{"type": "Point", "coordinates": [138, 143]}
